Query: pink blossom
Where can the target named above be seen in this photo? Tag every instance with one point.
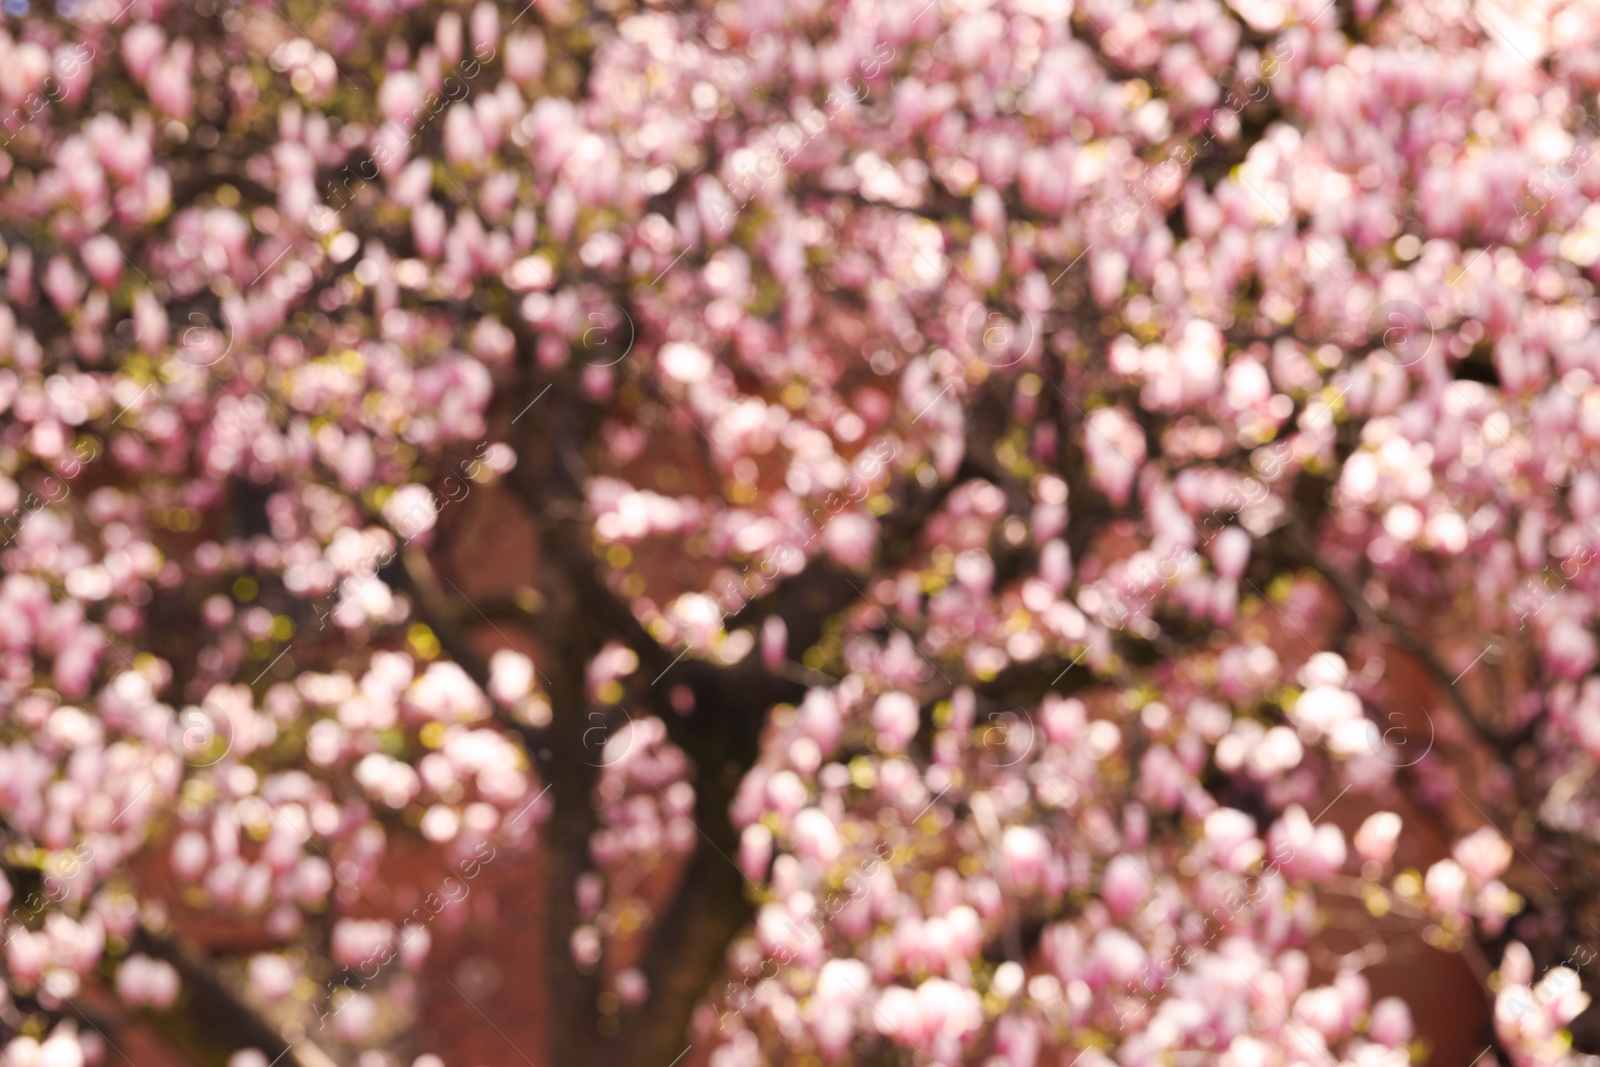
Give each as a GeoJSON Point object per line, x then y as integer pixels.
{"type": "Point", "coordinates": [1376, 839]}
{"type": "Point", "coordinates": [1483, 854]}
{"type": "Point", "coordinates": [815, 836]}
{"type": "Point", "coordinates": [141, 46]}
{"type": "Point", "coordinates": [141, 980]}
{"type": "Point", "coordinates": [896, 719]}
{"type": "Point", "coordinates": [1023, 852]}
{"type": "Point", "coordinates": [755, 851]}
{"type": "Point", "coordinates": [1124, 887]}
{"type": "Point", "coordinates": [819, 719]}
{"type": "Point", "coordinates": [61, 1049]}
{"type": "Point", "coordinates": [850, 538]}
{"type": "Point", "coordinates": [1391, 1022]}
{"type": "Point", "coordinates": [1079, 375]}
{"type": "Point", "coordinates": [511, 676]}
{"type": "Point", "coordinates": [1116, 449]}
{"type": "Point", "coordinates": [1231, 551]}
{"type": "Point", "coordinates": [842, 986]}
{"type": "Point", "coordinates": [1446, 884]}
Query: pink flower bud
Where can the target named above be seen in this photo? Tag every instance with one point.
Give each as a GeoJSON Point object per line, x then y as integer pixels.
{"type": "Point", "coordinates": [62, 1048]}
{"type": "Point", "coordinates": [815, 837]}
{"type": "Point", "coordinates": [1446, 886]}
{"type": "Point", "coordinates": [1570, 650]}
{"type": "Point", "coordinates": [62, 284]}
{"type": "Point", "coordinates": [1230, 836]}
{"type": "Point", "coordinates": [27, 952]}
{"type": "Point", "coordinates": [1124, 886]}
{"type": "Point", "coordinates": [525, 57]}
{"type": "Point", "coordinates": [850, 539]}
{"type": "Point", "coordinates": [1516, 965]}
{"type": "Point", "coordinates": [787, 793]}
{"type": "Point", "coordinates": [755, 851]}
{"type": "Point", "coordinates": [21, 1052]}
{"type": "Point", "coordinates": [149, 322]}
{"type": "Point", "coordinates": [586, 946]}
{"type": "Point", "coordinates": [142, 45]}
{"type": "Point", "coordinates": [73, 66]}
{"type": "Point", "coordinates": [1327, 851]}
{"type": "Point", "coordinates": [409, 188]}
{"type": "Point", "coordinates": [142, 980]}
{"type": "Point", "coordinates": [1064, 720]}
{"type": "Point", "coordinates": [190, 854]}
{"type": "Point", "coordinates": [1391, 1022]}
{"type": "Point", "coordinates": [1355, 991]}
{"type": "Point", "coordinates": [984, 268]}
{"type": "Point", "coordinates": [974, 571]}
{"type": "Point", "coordinates": [1116, 960]}
{"type": "Point", "coordinates": [170, 89]}
{"type": "Point", "coordinates": [631, 986]}
{"type": "Point", "coordinates": [1483, 854]}
{"type": "Point", "coordinates": [24, 71]}
{"type": "Point", "coordinates": [1017, 1039]}
{"type": "Point", "coordinates": [988, 211]}
{"type": "Point", "coordinates": [1247, 1052]}
{"type": "Point", "coordinates": [842, 986]}
{"type": "Point", "coordinates": [463, 141]}
{"type": "Point", "coordinates": [1323, 1010]}
{"type": "Point", "coordinates": [1108, 274]}
{"type": "Point", "coordinates": [1230, 552]}
{"type": "Point", "coordinates": [561, 212]}
{"type": "Point", "coordinates": [270, 975]}
{"type": "Point", "coordinates": [819, 719]}
{"type": "Point", "coordinates": [485, 27]}
{"type": "Point", "coordinates": [1562, 996]}
{"type": "Point", "coordinates": [356, 1014]}
{"type": "Point", "coordinates": [895, 717]}
{"type": "Point", "coordinates": [1115, 447]}
{"type": "Point", "coordinates": [1023, 854]}
{"type": "Point", "coordinates": [415, 942]}
{"type": "Point", "coordinates": [400, 98]}
{"type": "Point", "coordinates": [774, 643]}
{"type": "Point", "coordinates": [428, 226]}
{"type": "Point", "coordinates": [511, 676]}
{"type": "Point", "coordinates": [1375, 841]}
{"type": "Point", "coordinates": [963, 707]}
{"type": "Point", "coordinates": [590, 893]}
{"type": "Point", "coordinates": [103, 260]}
{"type": "Point", "coordinates": [448, 37]}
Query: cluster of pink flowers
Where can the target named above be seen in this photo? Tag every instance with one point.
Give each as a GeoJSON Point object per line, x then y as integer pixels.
{"type": "Point", "coordinates": [1098, 414]}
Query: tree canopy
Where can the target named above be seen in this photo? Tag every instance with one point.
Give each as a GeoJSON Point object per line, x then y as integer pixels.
{"type": "Point", "coordinates": [940, 531]}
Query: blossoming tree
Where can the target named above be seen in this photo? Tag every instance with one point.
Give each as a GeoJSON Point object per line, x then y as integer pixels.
{"type": "Point", "coordinates": [918, 518]}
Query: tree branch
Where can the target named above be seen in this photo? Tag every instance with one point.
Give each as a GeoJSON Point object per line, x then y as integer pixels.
{"type": "Point", "coordinates": [222, 1023]}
